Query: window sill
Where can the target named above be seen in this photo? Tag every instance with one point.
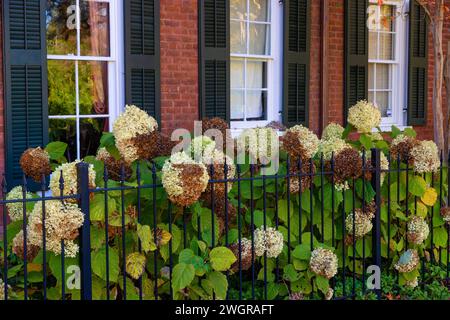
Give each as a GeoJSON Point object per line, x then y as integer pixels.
{"type": "Point", "coordinates": [388, 128]}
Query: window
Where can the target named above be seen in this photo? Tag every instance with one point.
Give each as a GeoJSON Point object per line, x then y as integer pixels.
{"type": "Point", "coordinates": [256, 49]}
{"type": "Point", "coordinates": [83, 72]}
{"type": "Point", "coordinates": [387, 60]}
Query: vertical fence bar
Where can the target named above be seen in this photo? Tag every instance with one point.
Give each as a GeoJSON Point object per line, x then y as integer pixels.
{"type": "Point", "coordinates": [5, 241]}
{"type": "Point", "coordinates": [24, 229]}
{"type": "Point", "coordinates": [105, 181]}
{"type": "Point", "coordinates": [376, 184]}
{"type": "Point", "coordinates": [44, 240]}
{"type": "Point", "coordinates": [85, 232]}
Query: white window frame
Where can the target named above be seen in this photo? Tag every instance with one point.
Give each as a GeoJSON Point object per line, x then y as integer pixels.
{"type": "Point", "coordinates": [116, 69]}
{"type": "Point", "coordinates": [399, 75]}
{"type": "Point", "coordinates": [274, 72]}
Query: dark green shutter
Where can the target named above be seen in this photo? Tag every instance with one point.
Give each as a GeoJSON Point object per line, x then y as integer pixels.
{"type": "Point", "coordinates": [297, 21]}
{"type": "Point", "coordinates": [214, 58]}
{"type": "Point", "coordinates": [142, 53]}
{"type": "Point", "coordinates": [25, 63]}
{"type": "Point", "coordinates": [418, 65]}
{"type": "Point", "coordinates": [356, 53]}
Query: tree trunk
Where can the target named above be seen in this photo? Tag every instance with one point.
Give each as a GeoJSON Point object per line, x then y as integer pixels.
{"type": "Point", "coordinates": [447, 82]}
{"type": "Point", "coordinates": [437, 27]}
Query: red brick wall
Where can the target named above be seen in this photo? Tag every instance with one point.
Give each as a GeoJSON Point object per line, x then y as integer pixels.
{"type": "Point", "coordinates": [315, 68]}
{"type": "Point", "coordinates": [336, 61]}
{"type": "Point", "coordinates": [179, 64]}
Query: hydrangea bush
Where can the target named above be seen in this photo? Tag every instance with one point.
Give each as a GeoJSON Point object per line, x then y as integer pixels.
{"type": "Point", "coordinates": [282, 231]}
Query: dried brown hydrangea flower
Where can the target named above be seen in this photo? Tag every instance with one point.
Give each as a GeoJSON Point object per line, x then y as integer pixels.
{"type": "Point", "coordinates": [114, 166]}
{"type": "Point", "coordinates": [35, 163]}
{"type": "Point", "coordinates": [165, 145]}
{"type": "Point", "coordinates": [17, 247]}
{"type": "Point", "coordinates": [445, 214]}
{"type": "Point", "coordinates": [401, 148]}
{"type": "Point", "coordinates": [222, 126]}
{"type": "Point", "coordinates": [246, 255]}
{"type": "Point", "coordinates": [307, 170]}
{"type": "Point", "coordinates": [348, 164]}
{"type": "Point", "coordinates": [220, 208]}
{"type": "Point", "coordinates": [300, 142]}
{"type": "Point", "coordinates": [146, 145]}
{"type": "Point", "coordinates": [184, 179]}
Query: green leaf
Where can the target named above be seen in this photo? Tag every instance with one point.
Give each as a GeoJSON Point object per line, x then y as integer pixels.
{"type": "Point", "coordinates": [366, 141]}
{"type": "Point", "coordinates": [322, 284]}
{"type": "Point", "coordinates": [182, 276]}
{"type": "Point", "coordinates": [283, 210]}
{"type": "Point", "coordinates": [97, 207]}
{"type": "Point", "coordinates": [222, 258]}
{"type": "Point", "coordinates": [417, 186]}
{"type": "Point", "coordinates": [290, 273]}
{"type": "Point", "coordinates": [302, 252]}
{"type": "Point", "coordinates": [440, 237]}
{"type": "Point", "coordinates": [410, 132]}
{"type": "Point", "coordinates": [145, 235]}
{"type": "Point", "coordinates": [219, 284]}
{"type": "Point", "coordinates": [56, 150]}
{"type": "Point", "coordinates": [395, 132]}
{"type": "Point", "coordinates": [99, 264]}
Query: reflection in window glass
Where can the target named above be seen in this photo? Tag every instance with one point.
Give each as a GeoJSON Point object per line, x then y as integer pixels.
{"type": "Point", "coordinates": [61, 27]}
{"type": "Point", "coordinates": [78, 73]}
{"type": "Point", "coordinates": [93, 87]}
{"type": "Point", "coordinates": [61, 87]}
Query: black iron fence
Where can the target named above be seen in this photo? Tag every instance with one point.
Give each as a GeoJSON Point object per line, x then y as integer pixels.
{"type": "Point", "coordinates": [303, 201]}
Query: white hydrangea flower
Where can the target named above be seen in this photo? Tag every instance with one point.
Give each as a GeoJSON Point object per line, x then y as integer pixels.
{"type": "Point", "coordinates": [62, 222]}
{"type": "Point", "coordinates": [364, 116]}
{"type": "Point", "coordinates": [332, 146]}
{"type": "Point", "coordinates": [15, 210]}
{"type": "Point", "coordinates": [69, 174]}
{"type": "Point", "coordinates": [425, 157]}
{"type": "Point", "coordinates": [333, 131]}
{"type": "Point", "coordinates": [261, 143]}
{"type": "Point", "coordinates": [324, 263]}
{"type": "Point", "coordinates": [269, 241]}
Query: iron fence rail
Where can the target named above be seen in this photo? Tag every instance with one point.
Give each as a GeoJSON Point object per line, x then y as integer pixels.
{"type": "Point", "coordinates": [263, 196]}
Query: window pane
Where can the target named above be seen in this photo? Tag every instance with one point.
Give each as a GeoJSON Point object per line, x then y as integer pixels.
{"type": "Point", "coordinates": [61, 87]}
{"type": "Point", "coordinates": [237, 104]}
{"type": "Point", "coordinates": [256, 100]}
{"type": "Point", "coordinates": [387, 18]}
{"type": "Point", "coordinates": [61, 27]}
{"type": "Point", "coordinates": [371, 76]}
{"type": "Point", "coordinates": [238, 37]}
{"type": "Point", "coordinates": [383, 76]}
{"type": "Point", "coordinates": [64, 131]}
{"type": "Point", "coordinates": [373, 45]}
{"type": "Point", "coordinates": [237, 73]}
{"type": "Point", "coordinates": [371, 97]}
{"type": "Point", "coordinates": [259, 10]}
{"type": "Point", "coordinates": [93, 87]}
{"type": "Point", "coordinates": [386, 46]}
{"type": "Point", "coordinates": [383, 103]}
{"type": "Point", "coordinates": [90, 134]}
{"type": "Point", "coordinates": [256, 74]}
{"type": "Point", "coordinates": [258, 42]}
{"type": "Point", "coordinates": [94, 31]}
{"type": "Point", "coordinates": [238, 9]}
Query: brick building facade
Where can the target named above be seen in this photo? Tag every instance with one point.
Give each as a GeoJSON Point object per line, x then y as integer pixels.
{"type": "Point", "coordinates": [180, 74]}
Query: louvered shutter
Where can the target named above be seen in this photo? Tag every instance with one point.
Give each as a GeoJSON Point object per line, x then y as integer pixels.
{"type": "Point", "coordinates": [356, 53]}
{"type": "Point", "coordinates": [297, 21]}
{"type": "Point", "coordinates": [26, 105]}
{"type": "Point", "coordinates": [142, 54]}
{"type": "Point", "coordinates": [214, 58]}
{"type": "Point", "coordinates": [418, 65]}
